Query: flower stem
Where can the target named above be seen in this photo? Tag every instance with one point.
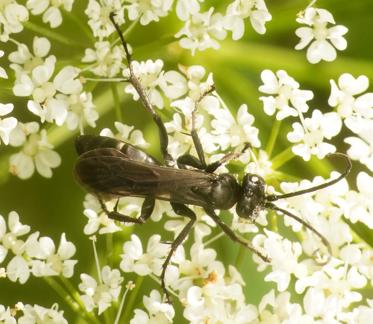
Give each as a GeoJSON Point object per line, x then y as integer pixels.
{"type": "Point", "coordinates": [96, 260]}
{"type": "Point", "coordinates": [69, 287]}
{"type": "Point", "coordinates": [132, 299]}
{"type": "Point", "coordinates": [273, 137]}
{"type": "Point", "coordinates": [118, 110]}
{"type": "Point", "coordinates": [216, 237]}
{"type": "Point", "coordinates": [52, 35]}
{"type": "Point", "coordinates": [241, 255]}
{"type": "Point", "coordinates": [64, 294]}
{"type": "Point", "coordinates": [282, 158]}
{"type": "Point", "coordinates": [120, 309]}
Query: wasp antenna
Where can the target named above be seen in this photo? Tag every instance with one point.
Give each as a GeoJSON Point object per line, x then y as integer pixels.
{"type": "Point", "coordinates": [305, 224]}
{"type": "Point", "coordinates": [318, 187]}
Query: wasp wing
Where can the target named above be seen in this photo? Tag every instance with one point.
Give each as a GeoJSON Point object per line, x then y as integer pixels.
{"type": "Point", "coordinates": [109, 172]}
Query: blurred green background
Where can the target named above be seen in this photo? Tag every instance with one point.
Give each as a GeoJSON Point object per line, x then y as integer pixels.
{"type": "Point", "coordinates": [53, 206]}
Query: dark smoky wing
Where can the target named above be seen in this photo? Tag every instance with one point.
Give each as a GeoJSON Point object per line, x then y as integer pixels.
{"type": "Point", "coordinates": [108, 171]}
{"type": "Point", "coordinates": [86, 143]}
{"type": "Point", "coordinates": [112, 175]}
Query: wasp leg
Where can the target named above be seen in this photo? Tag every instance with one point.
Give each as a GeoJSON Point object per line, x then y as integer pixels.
{"type": "Point", "coordinates": [226, 158]}
{"type": "Point", "coordinates": [189, 160]}
{"type": "Point", "coordinates": [234, 237]}
{"type": "Point", "coordinates": [144, 97]}
{"type": "Point", "coordinates": [185, 211]}
{"type": "Point", "coordinates": [146, 211]}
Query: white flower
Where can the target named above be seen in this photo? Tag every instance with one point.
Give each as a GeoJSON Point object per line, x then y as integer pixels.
{"type": "Point", "coordinates": [201, 31]}
{"type": "Point", "coordinates": [135, 260]}
{"type": "Point", "coordinates": [311, 134]}
{"type": "Point", "coordinates": [6, 124]}
{"type": "Point", "coordinates": [332, 290]}
{"type": "Point", "coordinates": [279, 249]}
{"type": "Point", "coordinates": [149, 74]}
{"type": "Point", "coordinates": [219, 300]}
{"type": "Point", "coordinates": [99, 222]}
{"type": "Point", "coordinates": [147, 10]}
{"type": "Point", "coordinates": [51, 262]}
{"type": "Point", "coordinates": [159, 312]}
{"type": "Point", "coordinates": [239, 10]}
{"type": "Point", "coordinates": [361, 146]}
{"type": "Point", "coordinates": [50, 10]}
{"type": "Point", "coordinates": [106, 59]}
{"type": "Point", "coordinates": [103, 294]}
{"type": "Point", "coordinates": [3, 73]}
{"type": "Point", "coordinates": [357, 206]}
{"type": "Point", "coordinates": [173, 84]}
{"type": "Point", "coordinates": [23, 61]}
{"type": "Point", "coordinates": [18, 269]}
{"type": "Point", "coordinates": [47, 103]}
{"type": "Point", "coordinates": [186, 8]}
{"type": "Point", "coordinates": [202, 264]}
{"type": "Point", "coordinates": [285, 95]}
{"type": "Point", "coordinates": [6, 315]}
{"type": "Point", "coordinates": [261, 165]}
{"type": "Point", "coordinates": [355, 110]}
{"type": "Point", "coordinates": [127, 134]}
{"type": "Point", "coordinates": [39, 314]}
{"type": "Point", "coordinates": [12, 15]}
{"type": "Point", "coordinates": [99, 12]}
{"type": "Point", "coordinates": [9, 240]}
{"type": "Point", "coordinates": [325, 38]}
{"type": "Point", "coordinates": [195, 75]}
{"type": "Point", "coordinates": [80, 110]}
{"type": "Point", "coordinates": [202, 226]}
{"type": "Point", "coordinates": [36, 153]}
{"type": "Point", "coordinates": [232, 133]}
{"type": "Point", "coordinates": [279, 309]}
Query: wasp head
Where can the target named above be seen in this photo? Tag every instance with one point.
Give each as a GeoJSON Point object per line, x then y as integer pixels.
{"type": "Point", "coordinates": [252, 196]}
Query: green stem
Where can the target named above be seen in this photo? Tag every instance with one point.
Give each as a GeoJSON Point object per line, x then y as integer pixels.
{"type": "Point", "coordinates": [120, 309]}
{"type": "Point", "coordinates": [52, 35]}
{"type": "Point", "coordinates": [273, 137]}
{"type": "Point", "coordinates": [71, 289]}
{"type": "Point", "coordinates": [97, 261]}
{"type": "Point", "coordinates": [282, 158]}
{"type": "Point", "coordinates": [110, 248]}
{"type": "Point", "coordinates": [61, 291]}
{"type": "Point", "coordinates": [242, 253]}
{"type": "Point", "coordinates": [118, 110]}
{"type": "Point", "coordinates": [132, 299]}
{"type": "Point", "coordinates": [130, 28]}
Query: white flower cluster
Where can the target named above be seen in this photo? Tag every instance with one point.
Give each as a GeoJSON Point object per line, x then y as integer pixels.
{"type": "Point", "coordinates": [356, 109]}
{"type": "Point", "coordinates": [318, 36]}
{"type": "Point", "coordinates": [209, 291]}
{"type": "Point", "coordinates": [100, 295]}
{"type": "Point", "coordinates": [201, 30]}
{"type": "Point", "coordinates": [350, 267]}
{"type": "Point", "coordinates": [51, 10]}
{"type": "Point", "coordinates": [34, 255]}
{"type": "Point", "coordinates": [26, 314]}
{"type": "Point", "coordinates": [204, 30]}
{"type": "Point", "coordinates": [56, 98]}
{"type": "Point", "coordinates": [287, 99]}
{"type": "Point", "coordinates": [12, 15]}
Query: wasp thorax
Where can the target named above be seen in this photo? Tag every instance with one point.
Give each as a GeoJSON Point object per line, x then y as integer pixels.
{"type": "Point", "coordinates": [252, 196]}
{"type": "Point", "coordinates": [225, 191]}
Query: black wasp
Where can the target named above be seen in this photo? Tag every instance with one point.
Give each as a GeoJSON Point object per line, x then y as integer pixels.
{"type": "Point", "coordinates": [110, 168]}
